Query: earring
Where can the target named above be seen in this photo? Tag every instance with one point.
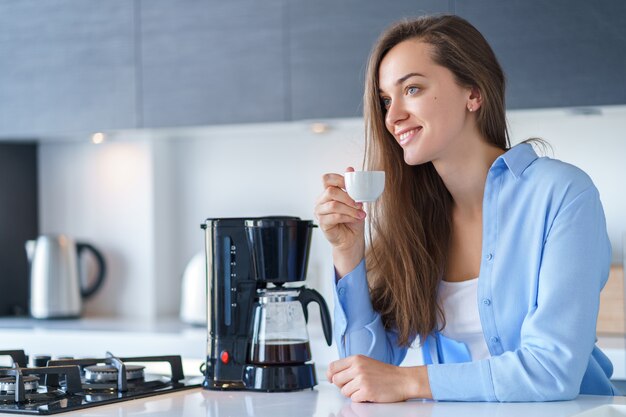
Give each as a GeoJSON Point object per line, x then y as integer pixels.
{"type": "Point", "coordinates": [470, 109]}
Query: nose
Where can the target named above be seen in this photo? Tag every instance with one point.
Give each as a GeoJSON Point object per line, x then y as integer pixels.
{"type": "Point", "coordinates": [395, 113]}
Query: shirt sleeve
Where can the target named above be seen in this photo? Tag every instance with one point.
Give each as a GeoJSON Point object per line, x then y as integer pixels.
{"type": "Point", "coordinates": [358, 329]}
{"type": "Point", "coordinates": [559, 332]}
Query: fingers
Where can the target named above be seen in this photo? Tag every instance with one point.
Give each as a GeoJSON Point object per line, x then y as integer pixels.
{"type": "Point", "coordinates": [337, 366]}
{"type": "Point", "coordinates": [340, 217]}
{"type": "Point", "coordinates": [334, 212]}
{"type": "Point", "coordinates": [332, 193]}
{"type": "Point", "coordinates": [344, 377]}
{"type": "Point", "coordinates": [350, 388]}
{"type": "Point", "coordinates": [343, 371]}
{"type": "Point", "coordinates": [360, 396]}
{"type": "Point", "coordinates": [348, 379]}
{"type": "Point", "coordinates": [334, 186]}
{"type": "Point", "coordinates": [335, 180]}
{"type": "Point", "coordinates": [335, 206]}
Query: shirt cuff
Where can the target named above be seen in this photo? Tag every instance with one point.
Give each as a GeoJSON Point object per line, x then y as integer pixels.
{"type": "Point", "coordinates": [468, 381]}
{"type": "Point", "coordinates": [352, 298]}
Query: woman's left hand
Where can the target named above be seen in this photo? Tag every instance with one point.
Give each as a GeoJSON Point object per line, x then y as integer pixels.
{"type": "Point", "coordinates": [366, 379]}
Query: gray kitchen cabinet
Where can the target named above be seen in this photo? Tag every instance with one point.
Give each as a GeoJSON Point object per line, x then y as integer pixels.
{"type": "Point", "coordinates": [558, 53]}
{"type": "Point", "coordinates": [329, 44]}
{"type": "Point", "coordinates": [74, 66]}
{"type": "Point", "coordinates": [66, 66]}
{"type": "Point", "coordinates": [212, 62]}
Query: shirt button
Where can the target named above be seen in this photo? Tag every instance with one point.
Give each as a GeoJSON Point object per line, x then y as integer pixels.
{"type": "Point", "coordinates": [342, 291]}
{"type": "Point", "coordinates": [494, 340]}
{"type": "Point", "coordinates": [489, 256]}
{"type": "Point", "coordinates": [487, 302]}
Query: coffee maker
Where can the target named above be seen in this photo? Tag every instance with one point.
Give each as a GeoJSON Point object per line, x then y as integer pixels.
{"type": "Point", "coordinates": [257, 337]}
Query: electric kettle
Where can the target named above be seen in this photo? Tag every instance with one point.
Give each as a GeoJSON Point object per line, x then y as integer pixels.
{"type": "Point", "coordinates": [193, 297]}
{"type": "Point", "coordinates": [55, 285]}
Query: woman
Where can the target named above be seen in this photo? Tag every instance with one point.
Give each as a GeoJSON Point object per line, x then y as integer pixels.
{"type": "Point", "coordinates": [493, 257]}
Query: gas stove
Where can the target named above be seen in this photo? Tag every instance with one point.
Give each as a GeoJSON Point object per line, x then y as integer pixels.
{"type": "Point", "coordinates": [66, 384]}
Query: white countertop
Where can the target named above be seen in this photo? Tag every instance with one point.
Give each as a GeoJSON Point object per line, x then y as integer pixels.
{"type": "Point", "coordinates": [89, 337]}
{"type": "Point", "coordinates": [128, 338]}
{"type": "Point", "coordinates": [326, 401]}
{"type": "Point", "coordinates": [94, 336]}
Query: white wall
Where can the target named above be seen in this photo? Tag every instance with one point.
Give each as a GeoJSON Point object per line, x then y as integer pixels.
{"type": "Point", "coordinates": [101, 194]}
{"type": "Point", "coordinates": [143, 200]}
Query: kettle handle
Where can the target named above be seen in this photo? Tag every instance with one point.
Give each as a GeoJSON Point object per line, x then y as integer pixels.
{"type": "Point", "coordinates": [308, 295]}
{"type": "Point", "coordinates": [88, 292]}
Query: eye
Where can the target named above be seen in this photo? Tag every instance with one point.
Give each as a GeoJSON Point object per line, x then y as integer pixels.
{"type": "Point", "coordinates": [385, 102]}
{"type": "Point", "coordinates": [412, 90]}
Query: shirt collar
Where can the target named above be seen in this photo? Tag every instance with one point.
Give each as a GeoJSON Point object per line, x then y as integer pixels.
{"type": "Point", "coordinates": [518, 158]}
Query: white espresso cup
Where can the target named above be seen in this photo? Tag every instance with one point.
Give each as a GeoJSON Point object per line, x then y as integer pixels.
{"type": "Point", "coordinates": [364, 186]}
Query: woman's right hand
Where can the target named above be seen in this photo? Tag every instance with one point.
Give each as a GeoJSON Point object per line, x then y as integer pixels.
{"type": "Point", "coordinates": [342, 221]}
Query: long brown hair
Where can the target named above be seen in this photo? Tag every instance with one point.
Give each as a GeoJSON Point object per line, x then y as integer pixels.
{"type": "Point", "coordinates": [410, 225]}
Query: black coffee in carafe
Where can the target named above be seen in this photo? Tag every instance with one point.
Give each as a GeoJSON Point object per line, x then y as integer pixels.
{"type": "Point", "coordinates": [276, 352]}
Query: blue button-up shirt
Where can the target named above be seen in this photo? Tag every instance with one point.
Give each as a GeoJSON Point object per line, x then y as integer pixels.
{"type": "Point", "coordinates": [545, 258]}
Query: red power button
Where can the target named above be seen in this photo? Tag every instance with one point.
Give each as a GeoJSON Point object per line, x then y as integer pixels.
{"type": "Point", "coordinates": [224, 356]}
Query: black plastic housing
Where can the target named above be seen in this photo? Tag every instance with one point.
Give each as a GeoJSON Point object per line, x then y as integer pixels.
{"type": "Point", "coordinates": [279, 248]}
{"type": "Point", "coordinates": [244, 255]}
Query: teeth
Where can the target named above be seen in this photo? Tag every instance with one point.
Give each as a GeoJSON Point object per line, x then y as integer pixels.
{"type": "Point", "coordinates": [407, 134]}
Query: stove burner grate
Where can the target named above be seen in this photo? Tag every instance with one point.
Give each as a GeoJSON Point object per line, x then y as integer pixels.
{"type": "Point", "coordinates": [21, 385]}
{"type": "Point", "coordinates": [70, 384]}
{"type": "Point", "coordinates": [8, 384]}
{"type": "Point", "coordinates": [108, 373]}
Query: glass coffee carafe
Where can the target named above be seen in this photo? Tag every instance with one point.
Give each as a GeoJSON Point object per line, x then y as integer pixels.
{"type": "Point", "coordinates": [279, 334]}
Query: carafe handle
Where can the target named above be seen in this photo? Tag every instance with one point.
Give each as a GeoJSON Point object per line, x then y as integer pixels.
{"type": "Point", "coordinates": [88, 292]}
{"type": "Point", "coordinates": [308, 295]}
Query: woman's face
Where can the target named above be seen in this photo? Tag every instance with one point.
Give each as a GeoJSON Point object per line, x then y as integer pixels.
{"type": "Point", "coordinates": [426, 110]}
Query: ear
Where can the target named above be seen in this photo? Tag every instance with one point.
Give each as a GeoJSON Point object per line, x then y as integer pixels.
{"type": "Point", "coordinates": [475, 100]}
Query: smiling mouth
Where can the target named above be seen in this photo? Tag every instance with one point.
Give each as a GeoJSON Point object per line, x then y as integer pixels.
{"type": "Point", "coordinates": [408, 135]}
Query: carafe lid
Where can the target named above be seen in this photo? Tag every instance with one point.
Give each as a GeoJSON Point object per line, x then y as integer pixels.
{"type": "Point", "coordinates": [277, 296]}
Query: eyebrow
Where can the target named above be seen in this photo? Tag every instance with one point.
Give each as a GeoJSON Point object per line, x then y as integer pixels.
{"type": "Point", "coordinates": [404, 78]}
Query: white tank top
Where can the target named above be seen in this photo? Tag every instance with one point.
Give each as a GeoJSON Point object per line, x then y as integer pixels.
{"type": "Point", "coordinates": [460, 307]}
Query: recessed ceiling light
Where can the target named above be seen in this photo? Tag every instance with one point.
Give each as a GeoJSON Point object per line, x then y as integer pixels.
{"type": "Point", "coordinates": [97, 138]}
{"type": "Point", "coordinates": [319, 127]}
